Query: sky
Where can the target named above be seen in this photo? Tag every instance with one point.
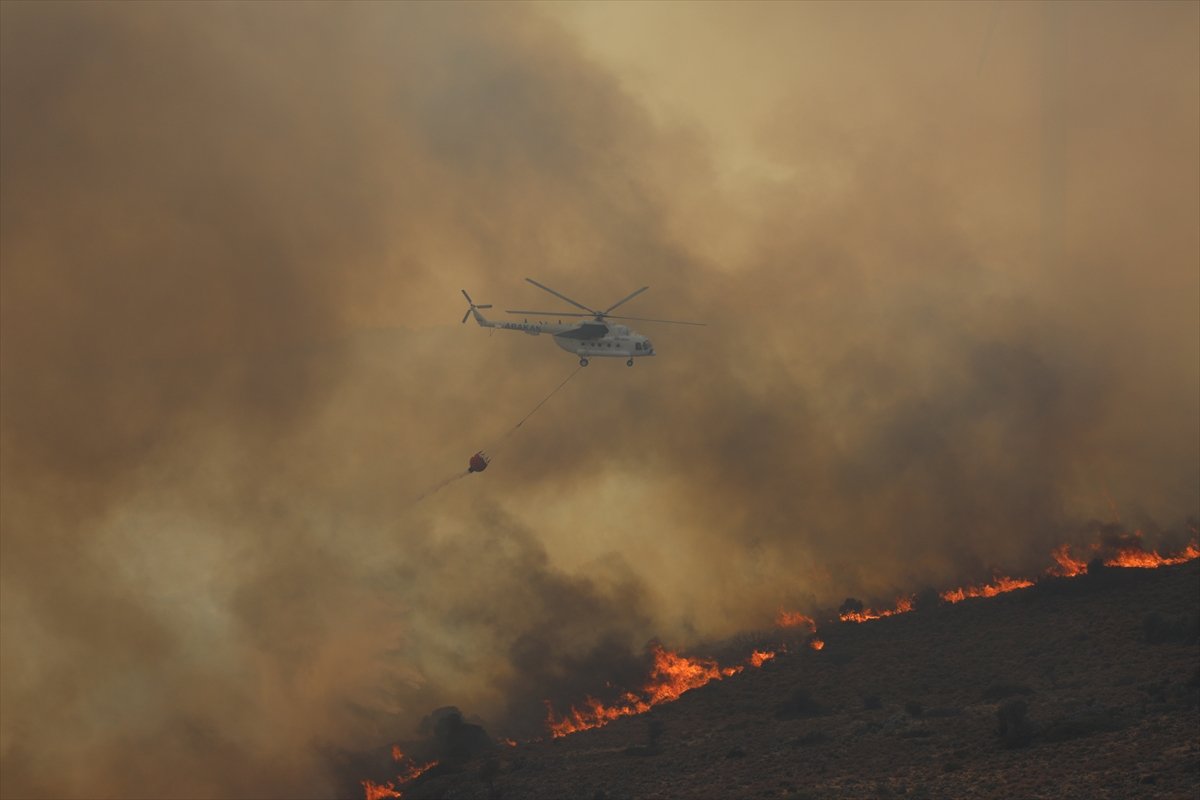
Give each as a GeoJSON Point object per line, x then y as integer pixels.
{"type": "Point", "coordinates": [947, 254]}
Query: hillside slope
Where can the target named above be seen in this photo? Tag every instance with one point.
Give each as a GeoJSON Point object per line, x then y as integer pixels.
{"type": "Point", "coordinates": [1097, 680]}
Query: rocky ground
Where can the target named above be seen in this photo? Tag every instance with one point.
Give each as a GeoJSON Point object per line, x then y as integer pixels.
{"type": "Point", "coordinates": [1080, 688]}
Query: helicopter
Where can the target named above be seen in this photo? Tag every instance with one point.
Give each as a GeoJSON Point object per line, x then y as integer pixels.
{"type": "Point", "coordinates": [588, 338]}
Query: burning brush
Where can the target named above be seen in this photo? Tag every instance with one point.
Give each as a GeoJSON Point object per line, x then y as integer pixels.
{"type": "Point", "coordinates": [672, 675]}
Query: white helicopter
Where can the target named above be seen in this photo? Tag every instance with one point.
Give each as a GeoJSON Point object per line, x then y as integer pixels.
{"type": "Point", "coordinates": [596, 337]}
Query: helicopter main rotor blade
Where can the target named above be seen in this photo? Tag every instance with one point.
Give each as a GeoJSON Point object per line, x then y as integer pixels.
{"type": "Point", "coordinates": [560, 296]}
{"type": "Point", "coordinates": [550, 313]}
{"type": "Point", "coordinates": [667, 321]}
{"type": "Point", "coordinates": [626, 300]}
{"type": "Point", "coordinates": [464, 291]}
{"type": "Point", "coordinates": [464, 322]}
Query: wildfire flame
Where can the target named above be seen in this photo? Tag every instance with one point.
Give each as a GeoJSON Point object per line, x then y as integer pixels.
{"type": "Point", "coordinates": [999, 586]}
{"type": "Point", "coordinates": [903, 605]}
{"type": "Point", "coordinates": [794, 619]}
{"type": "Point", "coordinates": [1067, 566]}
{"type": "Point", "coordinates": [760, 657]}
{"type": "Point", "coordinates": [409, 771]}
{"type": "Point", "coordinates": [380, 791]}
{"type": "Point", "coordinates": [414, 771]}
{"type": "Point", "coordinates": [1130, 554]}
{"type": "Point", "coordinates": [1136, 557]}
{"type": "Point", "coordinates": [672, 675]}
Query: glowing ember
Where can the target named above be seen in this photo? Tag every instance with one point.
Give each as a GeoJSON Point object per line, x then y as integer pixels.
{"type": "Point", "coordinates": [816, 644]}
{"type": "Point", "coordinates": [999, 586]}
{"type": "Point", "coordinates": [903, 606]}
{"type": "Point", "coordinates": [760, 657]}
{"type": "Point", "coordinates": [509, 742]}
{"type": "Point", "coordinates": [380, 791]}
{"type": "Point", "coordinates": [794, 619]}
{"type": "Point", "coordinates": [672, 675]}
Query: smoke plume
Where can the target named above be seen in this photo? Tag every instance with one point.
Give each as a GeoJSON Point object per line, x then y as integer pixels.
{"type": "Point", "coordinates": [947, 257]}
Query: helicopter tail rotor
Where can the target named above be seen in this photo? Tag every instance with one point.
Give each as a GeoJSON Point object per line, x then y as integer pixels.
{"type": "Point", "coordinates": [471, 306]}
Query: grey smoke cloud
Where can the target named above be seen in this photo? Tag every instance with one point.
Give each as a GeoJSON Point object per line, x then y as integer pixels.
{"type": "Point", "coordinates": [232, 240]}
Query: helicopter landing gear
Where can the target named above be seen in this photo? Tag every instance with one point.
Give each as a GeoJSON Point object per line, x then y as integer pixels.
{"type": "Point", "coordinates": [583, 362]}
{"type": "Point", "coordinates": [629, 363]}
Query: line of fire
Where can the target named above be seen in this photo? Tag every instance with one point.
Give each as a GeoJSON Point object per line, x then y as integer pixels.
{"type": "Point", "coordinates": [674, 674]}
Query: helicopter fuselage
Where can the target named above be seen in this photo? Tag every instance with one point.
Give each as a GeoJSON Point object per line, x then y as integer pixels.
{"type": "Point", "coordinates": [618, 342]}
{"type": "Point", "coordinates": [588, 339]}
{"type": "Point", "coordinates": [594, 335]}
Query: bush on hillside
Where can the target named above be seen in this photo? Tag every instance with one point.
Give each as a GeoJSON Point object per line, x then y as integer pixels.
{"type": "Point", "coordinates": [1015, 729]}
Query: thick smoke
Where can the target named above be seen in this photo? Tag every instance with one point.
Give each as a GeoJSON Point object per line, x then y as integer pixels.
{"type": "Point", "coordinates": [952, 297]}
